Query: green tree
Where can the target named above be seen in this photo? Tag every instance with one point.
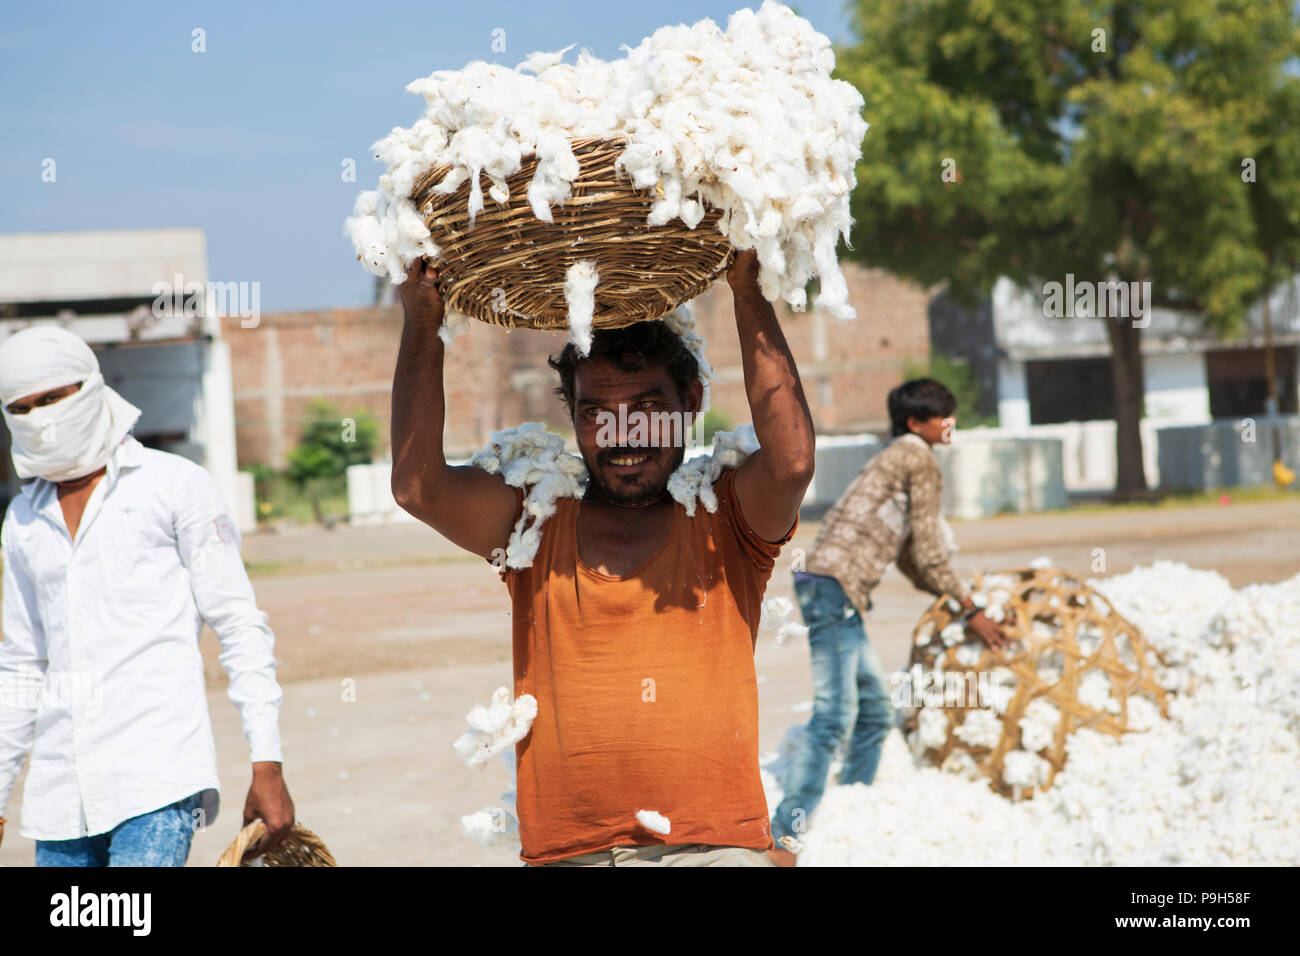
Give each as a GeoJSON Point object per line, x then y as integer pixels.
{"type": "Point", "coordinates": [329, 443]}
{"type": "Point", "coordinates": [1102, 139]}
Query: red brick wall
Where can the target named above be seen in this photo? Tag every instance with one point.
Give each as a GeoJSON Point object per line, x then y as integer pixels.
{"type": "Point", "coordinates": [495, 378]}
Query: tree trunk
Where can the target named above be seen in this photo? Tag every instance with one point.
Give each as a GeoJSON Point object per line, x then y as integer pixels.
{"type": "Point", "coordinates": [1126, 368]}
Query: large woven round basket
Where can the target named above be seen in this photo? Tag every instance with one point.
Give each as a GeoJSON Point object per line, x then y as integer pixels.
{"type": "Point", "coordinates": [1065, 634]}
{"type": "Point", "coordinates": [509, 267]}
{"type": "Point", "coordinates": [300, 848]}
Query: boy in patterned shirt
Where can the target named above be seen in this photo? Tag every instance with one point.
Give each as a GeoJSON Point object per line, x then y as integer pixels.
{"type": "Point", "coordinates": [888, 514]}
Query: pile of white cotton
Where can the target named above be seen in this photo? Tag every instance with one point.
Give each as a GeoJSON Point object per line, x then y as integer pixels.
{"type": "Point", "coordinates": [747, 120]}
{"type": "Point", "coordinates": [1218, 783]}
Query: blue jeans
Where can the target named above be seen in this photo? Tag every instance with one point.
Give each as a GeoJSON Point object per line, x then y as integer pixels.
{"type": "Point", "coordinates": [159, 838]}
{"type": "Point", "coordinates": [850, 695]}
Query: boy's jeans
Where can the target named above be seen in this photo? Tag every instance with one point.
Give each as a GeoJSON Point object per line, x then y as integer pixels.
{"type": "Point", "coordinates": [850, 694]}
{"type": "Point", "coordinates": [159, 838]}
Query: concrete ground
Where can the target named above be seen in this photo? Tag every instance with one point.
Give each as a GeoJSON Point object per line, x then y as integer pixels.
{"type": "Point", "coordinates": [421, 632]}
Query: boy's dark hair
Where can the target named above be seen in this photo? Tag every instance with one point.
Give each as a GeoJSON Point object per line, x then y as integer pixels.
{"type": "Point", "coordinates": [921, 398]}
{"type": "Point", "coordinates": [631, 349]}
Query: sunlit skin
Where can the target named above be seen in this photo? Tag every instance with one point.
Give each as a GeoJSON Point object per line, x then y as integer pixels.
{"type": "Point", "coordinates": [268, 796]}
{"type": "Point", "coordinates": [601, 389]}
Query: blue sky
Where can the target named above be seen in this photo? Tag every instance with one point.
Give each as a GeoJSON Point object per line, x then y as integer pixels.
{"type": "Point", "coordinates": [246, 140]}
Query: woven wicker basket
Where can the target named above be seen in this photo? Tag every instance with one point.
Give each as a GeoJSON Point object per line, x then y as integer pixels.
{"type": "Point", "coordinates": [509, 267]}
{"type": "Point", "coordinates": [300, 848]}
{"type": "Point", "coordinates": [1061, 625]}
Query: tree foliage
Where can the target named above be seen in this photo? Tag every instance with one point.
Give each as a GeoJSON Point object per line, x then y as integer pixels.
{"type": "Point", "coordinates": [1103, 139]}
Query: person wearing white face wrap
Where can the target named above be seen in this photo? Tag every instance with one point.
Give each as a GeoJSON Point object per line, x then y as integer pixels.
{"type": "Point", "coordinates": [115, 555]}
{"type": "Point", "coordinates": [74, 436]}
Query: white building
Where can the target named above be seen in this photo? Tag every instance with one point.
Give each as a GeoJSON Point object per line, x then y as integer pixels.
{"type": "Point", "coordinates": [1054, 376]}
{"type": "Point", "coordinates": [165, 358]}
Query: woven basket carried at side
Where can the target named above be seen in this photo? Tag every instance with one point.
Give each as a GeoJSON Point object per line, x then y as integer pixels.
{"type": "Point", "coordinates": [1064, 631]}
{"type": "Point", "coordinates": [300, 848]}
{"type": "Point", "coordinates": [509, 267]}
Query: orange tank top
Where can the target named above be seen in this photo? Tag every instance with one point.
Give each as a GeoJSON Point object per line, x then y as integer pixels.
{"type": "Point", "coordinates": [645, 687]}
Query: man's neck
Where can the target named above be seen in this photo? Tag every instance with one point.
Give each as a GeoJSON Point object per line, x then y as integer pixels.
{"type": "Point", "coordinates": [77, 484]}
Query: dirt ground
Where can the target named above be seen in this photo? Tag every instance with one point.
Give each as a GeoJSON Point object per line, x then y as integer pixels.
{"type": "Point", "coordinates": [421, 632]}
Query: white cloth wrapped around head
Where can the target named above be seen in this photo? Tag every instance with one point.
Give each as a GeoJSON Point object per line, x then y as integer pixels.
{"type": "Point", "coordinates": [74, 436]}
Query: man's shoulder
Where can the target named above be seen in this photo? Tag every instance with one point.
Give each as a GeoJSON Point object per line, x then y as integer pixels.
{"type": "Point", "coordinates": [168, 466]}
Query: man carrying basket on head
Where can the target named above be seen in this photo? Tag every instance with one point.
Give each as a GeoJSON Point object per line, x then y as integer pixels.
{"type": "Point", "coordinates": [634, 628]}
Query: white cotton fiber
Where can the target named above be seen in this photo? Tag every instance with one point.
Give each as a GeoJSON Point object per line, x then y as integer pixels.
{"type": "Point", "coordinates": [980, 728]}
{"type": "Point", "coordinates": [933, 727]}
{"type": "Point", "coordinates": [493, 728]}
{"type": "Point", "coordinates": [747, 120]}
{"type": "Point", "coordinates": [654, 821]}
{"type": "Point", "coordinates": [777, 612]}
{"type": "Point", "coordinates": [491, 826]}
{"type": "Point", "coordinates": [1038, 724]}
{"type": "Point", "coordinates": [531, 457]}
{"type": "Point", "coordinates": [580, 295]}
{"type": "Point", "coordinates": [693, 481]}
{"type": "Point", "coordinates": [1217, 783]}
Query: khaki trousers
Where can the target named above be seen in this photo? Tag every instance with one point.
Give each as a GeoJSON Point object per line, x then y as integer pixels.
{"type": "Point", "coordinates": [688, 854]}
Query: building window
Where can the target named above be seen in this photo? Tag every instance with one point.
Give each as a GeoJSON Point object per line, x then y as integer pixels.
{"type": "Point", "coordinates": [1238, 387]}
{"type": "Point", "coordinates": [1070, 390]}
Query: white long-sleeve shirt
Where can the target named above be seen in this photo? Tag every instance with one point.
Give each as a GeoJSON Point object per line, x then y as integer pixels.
{"type": "Point", "coordinates": [100, 672]}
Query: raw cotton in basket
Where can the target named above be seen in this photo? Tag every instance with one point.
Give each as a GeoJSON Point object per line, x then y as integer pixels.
{"type": "Point", "coordinates": [748, 120]}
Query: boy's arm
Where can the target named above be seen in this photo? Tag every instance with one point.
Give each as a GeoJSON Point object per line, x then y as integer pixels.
{"type": "Point", "coordinates": [22, 670]}
{"type": "Point", "coordinates": [770, 483]}
{"type": "Point", "coordinates": [468, 506]}
{"type": "Point", "coordinates": [208, 543]}
{"type": "Point", "coordinates": [925, 556]}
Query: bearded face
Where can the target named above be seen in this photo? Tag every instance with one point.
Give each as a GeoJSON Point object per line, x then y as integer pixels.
{"type": "Point", "coordinates": [631, 429]}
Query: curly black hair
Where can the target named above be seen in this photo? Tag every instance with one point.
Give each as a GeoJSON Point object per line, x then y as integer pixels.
{"type": "Point", "coordinates": [631, 348]}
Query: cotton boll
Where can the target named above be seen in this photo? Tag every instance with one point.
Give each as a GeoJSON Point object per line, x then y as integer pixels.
{"type": "Point", "coordinates": [580, 295]}
{"type": "Point", "coordinates": [778, 608]}
{"type": "Point", "coordinates": [654, 821]}
{"type": "Point", "coordinates": [1024, 770]}
{"type": "Point", "coordinates": [491, 826]}
{"type": "Point", "coordinates": [493, 728]}
{"type": "Point", "coordinates": [1094, 692]}
{"type": "Point", "coordinates": [693, 480]}
{"type": "Point", "coordinates": [952, 634]}
{"type": "Point", "coordinates": [980, 728]}
{"type": "Point", "coordinates": [970, 653]}
{"type": "Point", "coordinates": [932, 726]}
{"type": "Point", "coordinates": [1038, 726]}
{"type": "Point", "coordinates": [453, 324]}
{"type": "Point", "coordinates": [791, 630]}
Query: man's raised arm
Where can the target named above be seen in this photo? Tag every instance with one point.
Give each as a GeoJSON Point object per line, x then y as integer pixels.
{"type": "Point", "coordinates": [770, 484]}
{"type": "Point", "coordinates": [468, 506]}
